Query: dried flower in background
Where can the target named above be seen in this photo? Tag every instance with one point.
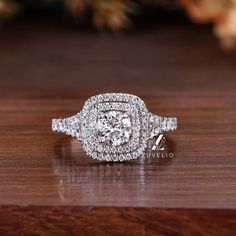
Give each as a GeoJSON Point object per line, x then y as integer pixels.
{"type": "Point", "coordinates": [77, 6]}
{"type": "Point", "coordinates": [222, 13]}
{"type": "Point", "coordinates": [225, 29]}
{"type": "Point", "coordinates": [112, 14]}
{"type": "Point", "coordinates": [7, 9]}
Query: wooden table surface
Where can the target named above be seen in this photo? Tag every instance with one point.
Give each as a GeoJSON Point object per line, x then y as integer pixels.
{"type": "Point", "coordinates": [48, 186]}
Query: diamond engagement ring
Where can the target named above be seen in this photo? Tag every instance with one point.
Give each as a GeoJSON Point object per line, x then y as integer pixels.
{"type": "Point", "coordinates": [114, 126]}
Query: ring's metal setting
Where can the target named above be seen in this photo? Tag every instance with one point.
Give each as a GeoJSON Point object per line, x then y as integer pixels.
{"type": "Point", "coordinates": [114, 126]}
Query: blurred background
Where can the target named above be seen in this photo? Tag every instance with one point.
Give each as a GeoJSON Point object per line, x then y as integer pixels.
{"type": "Point", "coordinates": [118, 15]}
{"type": "Point", "coordinates": [69, 48]}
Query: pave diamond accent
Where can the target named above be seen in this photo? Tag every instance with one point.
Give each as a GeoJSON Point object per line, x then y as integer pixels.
{"type": "Point", "coordinates": [69, 126]}
{"type": "Point", "coordinates": [114, 128]}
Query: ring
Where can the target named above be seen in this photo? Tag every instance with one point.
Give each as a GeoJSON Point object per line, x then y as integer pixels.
{"type": "Point", "coordinates": [114, 126]}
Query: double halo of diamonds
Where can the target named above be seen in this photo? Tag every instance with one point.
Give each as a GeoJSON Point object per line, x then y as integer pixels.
{"type": "Point", "coordinates": [114, 126]}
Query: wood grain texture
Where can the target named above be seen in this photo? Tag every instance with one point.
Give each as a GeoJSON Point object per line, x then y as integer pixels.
{"type": "Point", "coordinates": [49, 71]}
{"type": "Point", "coordinates": [115, 221]}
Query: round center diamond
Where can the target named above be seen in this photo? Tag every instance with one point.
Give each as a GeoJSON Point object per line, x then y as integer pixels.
{"type": "Point", "coordinates": [113, 127]}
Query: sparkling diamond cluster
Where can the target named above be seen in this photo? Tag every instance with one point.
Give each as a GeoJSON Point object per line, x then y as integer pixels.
{"type": "Point", "coordinates": [114, 126]}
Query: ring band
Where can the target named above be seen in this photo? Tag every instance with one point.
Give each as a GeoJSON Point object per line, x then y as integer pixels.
{"type": "Point", "coordinates": [114, 126]}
